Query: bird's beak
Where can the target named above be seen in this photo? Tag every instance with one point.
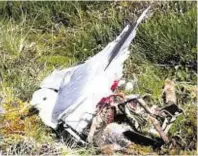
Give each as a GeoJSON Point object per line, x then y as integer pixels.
{"type": "Point", "coordinates": [32, 111]}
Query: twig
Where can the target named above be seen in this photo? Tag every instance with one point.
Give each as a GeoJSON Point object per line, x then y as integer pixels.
{"type": "Point", "coordinates": [154, 120]}
{"type": "Point", "coordinates": [144, 105]}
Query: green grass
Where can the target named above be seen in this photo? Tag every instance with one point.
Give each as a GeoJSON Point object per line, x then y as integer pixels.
{"type": "Point", "coordinates": [37, 37]}
{"type": "Point", "coordinates": [171, 39]}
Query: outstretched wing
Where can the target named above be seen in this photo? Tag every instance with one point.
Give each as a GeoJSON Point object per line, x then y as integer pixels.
{"type": "Point", "coordinates": [89, 82]}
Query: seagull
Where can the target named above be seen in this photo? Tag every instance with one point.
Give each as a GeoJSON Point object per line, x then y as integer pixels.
{"type": "Point", "coordinates": [72, 97]}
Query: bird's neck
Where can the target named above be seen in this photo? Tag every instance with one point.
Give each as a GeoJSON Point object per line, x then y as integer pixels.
{"type": "Point", "coordinates": [46, 117]}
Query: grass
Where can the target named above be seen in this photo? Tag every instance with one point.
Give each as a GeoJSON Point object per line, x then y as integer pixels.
{"type": "Point", "coordinates": [37, 37]}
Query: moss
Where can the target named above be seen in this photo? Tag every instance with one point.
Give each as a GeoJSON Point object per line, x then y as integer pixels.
{"type": "Point", "coordinates": [138, 150]}
{"type": "Point", "coordinates": [55, 60]}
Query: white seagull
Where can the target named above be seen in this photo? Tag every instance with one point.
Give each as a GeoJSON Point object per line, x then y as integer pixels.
{"type": "Point", "coordinates": [80, 88]}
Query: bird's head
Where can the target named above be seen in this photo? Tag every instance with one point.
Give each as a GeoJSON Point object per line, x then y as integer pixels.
{"type": "Point", "coordinates": [44, 99]}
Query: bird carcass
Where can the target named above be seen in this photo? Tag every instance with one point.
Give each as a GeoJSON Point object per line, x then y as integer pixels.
{"type": "Point", "coordinates": [73, 97]}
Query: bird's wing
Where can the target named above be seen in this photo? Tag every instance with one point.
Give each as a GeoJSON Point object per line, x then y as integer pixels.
{"type": "Point", "coordinates": [57, 78]}
{"type": "Point", "coordinates": [114, 69]}
{"type": "Point", "coordinates": [82, 83]}
{"type": "Point", "coordinates": [84, 80]}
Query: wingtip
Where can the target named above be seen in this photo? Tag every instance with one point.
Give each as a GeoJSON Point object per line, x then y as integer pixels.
{"type": "Point", "coordinates": [143, 14]}
{"type": "Point", "coordinates": [141, 17]}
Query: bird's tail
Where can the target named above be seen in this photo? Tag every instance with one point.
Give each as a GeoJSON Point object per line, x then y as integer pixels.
{"type": "Point", "coordinates": [125, 38]}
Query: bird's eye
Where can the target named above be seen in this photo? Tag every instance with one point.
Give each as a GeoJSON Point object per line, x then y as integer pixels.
{"type": "Point", "coordinates": [44, 98]}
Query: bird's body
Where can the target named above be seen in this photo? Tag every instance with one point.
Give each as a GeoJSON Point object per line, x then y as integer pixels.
{"type": "Point", "coordinates": [88, 83]}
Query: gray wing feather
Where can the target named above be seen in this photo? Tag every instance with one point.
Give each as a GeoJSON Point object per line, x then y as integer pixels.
{"type": "Point", "coordinates": [72, 92]}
